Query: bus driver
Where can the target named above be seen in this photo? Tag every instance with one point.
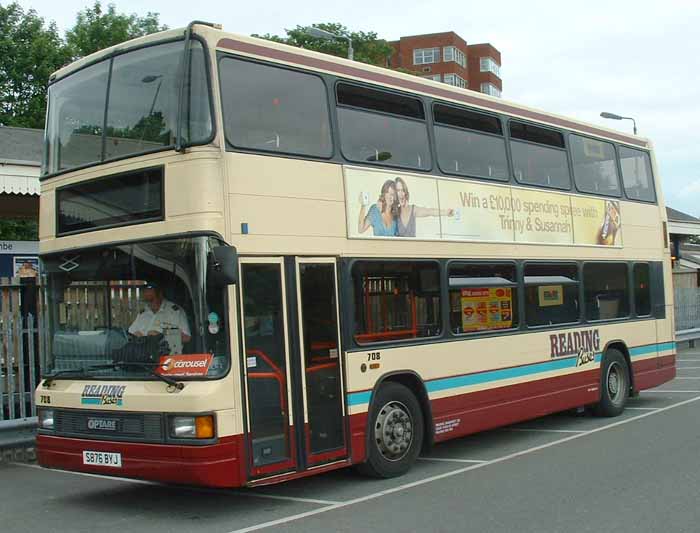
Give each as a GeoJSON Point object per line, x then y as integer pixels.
{"type": "Point", "coordinates": [162, 316]}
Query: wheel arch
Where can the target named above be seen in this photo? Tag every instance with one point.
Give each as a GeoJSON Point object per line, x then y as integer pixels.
{"type": "Point", "coordinates": [412, 381]}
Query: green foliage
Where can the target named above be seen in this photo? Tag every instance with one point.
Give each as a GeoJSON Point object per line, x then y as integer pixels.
{"type": "Point", "coordinates": [368, 48]}
{"type": "Point", "coordinates": [96, 28]}
{"type": "Point", "coordinates": [30, 52]}
{"type": "Point", "coordinates": [19, 230]}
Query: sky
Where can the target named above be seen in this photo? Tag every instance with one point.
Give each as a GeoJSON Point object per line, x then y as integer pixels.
{"type": "Point", "coordinates": [633, 58]}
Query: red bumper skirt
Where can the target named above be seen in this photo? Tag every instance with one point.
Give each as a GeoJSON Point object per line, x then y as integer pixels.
{"type": "Point", "coordinates": [216, 465]}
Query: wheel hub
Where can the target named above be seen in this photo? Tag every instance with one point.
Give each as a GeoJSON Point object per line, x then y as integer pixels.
{"type": "Point", "coordinates": [393, 431]}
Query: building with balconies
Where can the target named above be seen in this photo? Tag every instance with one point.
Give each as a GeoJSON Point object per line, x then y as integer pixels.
{"type": "Point", "coordinates": [447, 58]}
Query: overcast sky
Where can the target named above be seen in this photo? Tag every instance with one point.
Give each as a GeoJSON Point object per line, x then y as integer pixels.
{"type": "Point", "coordinates": [634, 58]}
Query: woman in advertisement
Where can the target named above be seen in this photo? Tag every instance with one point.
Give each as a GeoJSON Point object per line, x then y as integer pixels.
{"type": "Point", "coordinates": [381, 216]}
{"type": "Point", "coordinates": [407, 213]}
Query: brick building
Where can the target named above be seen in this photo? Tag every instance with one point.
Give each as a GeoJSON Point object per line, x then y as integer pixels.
{"type": "Point", "coordinates": [446, 57]}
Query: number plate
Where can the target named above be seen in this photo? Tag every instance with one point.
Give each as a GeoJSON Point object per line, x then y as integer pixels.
{"type": "Point", "coordinates": [102, 459]}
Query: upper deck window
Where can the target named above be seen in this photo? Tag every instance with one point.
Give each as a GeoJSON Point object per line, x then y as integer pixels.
{"type": "Point", "coordinates": [636, 174]}
{"type": "Point", "coordinates": [382, 127]}
{"type": "Point", "coordinates": [469, 143]}
{"type": "Point", "coordinates": [539, 156]}
{"type": "Point", "coordinates": [274, 109]}
{"type": "Point", "coordinates": [595, 167]}
{"type": "Point", "coordinates": [140, 89]}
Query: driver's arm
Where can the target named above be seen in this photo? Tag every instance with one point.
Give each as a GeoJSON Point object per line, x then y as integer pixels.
{"type": "Point", "coordinates": [136, 328]}
{"type": "Point", "coordinates": [184, 326]}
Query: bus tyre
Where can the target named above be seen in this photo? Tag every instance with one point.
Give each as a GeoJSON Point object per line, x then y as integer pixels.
{"type": "Point", "coordinates": [614, 384]}
{"type": "Point", "coordinates": [396, 432]}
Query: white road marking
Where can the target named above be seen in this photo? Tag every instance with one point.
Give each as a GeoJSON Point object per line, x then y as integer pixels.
{"type": "Point", "coordinates": [687, 377]}
{"type": "Point", "coordinates": [447, 460]}
{"type": "Point", "coordinates": [247, 494]}
{"type": "Point", "coordinates": [545, 430]}
{"type": "Point", "coordinates": [452, 473]}
{"type": "Point", "coordinates": [681, 367]}
{"type": "Point", "coordinates": [287, 498]}
{"type": "Point", "coordinates": [86, 474]}
{"type": "Point", "coordinates": [671, 391]}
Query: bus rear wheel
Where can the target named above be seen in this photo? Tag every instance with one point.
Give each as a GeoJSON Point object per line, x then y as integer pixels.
{"type": "Point", "coordinates": [396, 432]}
{"type": "Point", "coordinates": [614, 384]}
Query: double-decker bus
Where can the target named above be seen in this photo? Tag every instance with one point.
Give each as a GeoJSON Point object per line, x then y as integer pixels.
{"type": "Point", "coordinates": [260, 263]}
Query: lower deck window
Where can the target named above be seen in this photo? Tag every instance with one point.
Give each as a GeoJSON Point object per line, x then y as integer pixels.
{"type": "Point", "coordinates": [482, 297]}
{"type": "Point", "coordinates": [396, 301]}
{"type": "Point", "coordinates": [551, 294]}
{"type": "Point", "coordinates": [606, 290]}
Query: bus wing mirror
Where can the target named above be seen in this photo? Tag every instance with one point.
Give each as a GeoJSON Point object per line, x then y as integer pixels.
{"type": "Point", "coordinates": [223, 268]}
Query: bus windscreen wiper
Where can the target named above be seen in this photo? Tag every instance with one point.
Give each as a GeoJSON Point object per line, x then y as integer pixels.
{"type": "Point", "coordinates": [148, 367]}
{"type": "Point", "coordinates": [81, 372]}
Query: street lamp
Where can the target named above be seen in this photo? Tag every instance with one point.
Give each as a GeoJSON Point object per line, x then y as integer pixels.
{"type": "Point", "coordinates": [613, 116]}
{"type": "Point", "coordinates": [151, 79]}
{"type": "Point", "coordinates": [328, 36]}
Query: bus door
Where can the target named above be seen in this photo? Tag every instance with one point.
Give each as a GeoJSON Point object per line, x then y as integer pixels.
{"type": "Point", "coordinates": [271, 442]}
{"type": "Point", "coordinates": [320, 357]}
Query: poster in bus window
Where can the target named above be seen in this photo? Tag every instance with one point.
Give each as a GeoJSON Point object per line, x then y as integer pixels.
{"type": "Point", "coordinates": [486, 308]}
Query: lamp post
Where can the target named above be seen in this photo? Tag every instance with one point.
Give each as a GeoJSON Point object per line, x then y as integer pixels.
{"type": "Point", "coordinates": [151, 79]}
{"type": "Point", "coordinates": [613, 116]}
{"type": "Point", "coordinates": [328, 36]}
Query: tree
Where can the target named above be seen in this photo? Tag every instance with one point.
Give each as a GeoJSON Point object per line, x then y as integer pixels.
{"type": "Point", "coordinates": [96, 28]}
{"type": "Point", "coordinates": [368, 48]}
{"type": "Point", "coordinates": [29, 53]}
{"type": "Point", "coordinates": [19, 230]}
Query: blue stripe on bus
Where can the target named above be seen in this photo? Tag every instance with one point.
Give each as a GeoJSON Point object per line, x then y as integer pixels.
{"type": "Point", "coordinates": [440, 384]}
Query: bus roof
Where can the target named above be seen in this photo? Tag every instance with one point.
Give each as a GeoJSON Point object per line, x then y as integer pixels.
{"type": "Point", "coordinates": [261, 48]}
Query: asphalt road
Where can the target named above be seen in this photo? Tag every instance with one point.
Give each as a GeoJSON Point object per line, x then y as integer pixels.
{"type": "Point", "coordinates": [637, 472]}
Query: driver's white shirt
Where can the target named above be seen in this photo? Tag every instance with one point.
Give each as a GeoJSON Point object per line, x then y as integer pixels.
{"type": "Point", "coordinates": [168, 317]}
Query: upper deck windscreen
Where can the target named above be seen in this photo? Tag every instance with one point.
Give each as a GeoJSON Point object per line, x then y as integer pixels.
{"type": "Point", "coordinates": [127, 104]}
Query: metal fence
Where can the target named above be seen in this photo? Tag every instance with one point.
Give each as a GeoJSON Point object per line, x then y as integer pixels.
{"type": "Point", "coordinates": [687, 313]}
{"type": "Point", "coordinates": [20, 362]}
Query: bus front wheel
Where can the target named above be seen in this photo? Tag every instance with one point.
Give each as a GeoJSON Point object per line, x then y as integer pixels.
{"type": "Point", "coordinates": [396, 432]}
{"type": "Point", "coordinates": [614, 384]}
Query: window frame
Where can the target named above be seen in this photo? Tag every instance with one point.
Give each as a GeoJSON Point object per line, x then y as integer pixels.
{"type": "Point", "coordinates": [516, 285]}
{"type": "Point", "coordinates": [437, 59]}
{"type": "Point", "coordinates": [436, 124]}
{"type": "Point", "coordinates": [618, 169]}
{"type": "Point", "coordinates": [634, 311]}
{"type": "Point", "coordinates": [652, 176]}
{"type": "Point", "coordinates": [209, 73]}
{"type": "Point", "coordinates": [630, 296]}
{"type": "Point", "coordinates": [564, 149]}
{"type": "Point", "coordinates": [381, 164]}
{"type": "Point", "coordinates": [350, 308]}
{"type": "Point", "coordinates": [230, 147]}
{"type": "Point", "coordinates": [492, 66]}
{"type": "Point", "coordinates": [579, 282]}
{"type": "Point", "coordinates": [107, 177]}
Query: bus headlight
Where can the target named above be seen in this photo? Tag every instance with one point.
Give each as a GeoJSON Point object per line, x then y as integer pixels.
{"type": "Point", "coordinates": [46, 418]}
{"type": "Point", "coordinates": [192, 427]}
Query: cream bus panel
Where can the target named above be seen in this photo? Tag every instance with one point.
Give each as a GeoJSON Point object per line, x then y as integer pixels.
{"type": "Point", "coordinates": [194, 198]}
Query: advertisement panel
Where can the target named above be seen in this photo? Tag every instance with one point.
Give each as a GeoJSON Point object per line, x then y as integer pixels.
{"type": "Point", "coordinates": [383, 204]}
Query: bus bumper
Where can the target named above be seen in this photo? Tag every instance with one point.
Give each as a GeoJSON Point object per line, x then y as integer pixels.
{"type": "Point", "coordinates": [216, 465]}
